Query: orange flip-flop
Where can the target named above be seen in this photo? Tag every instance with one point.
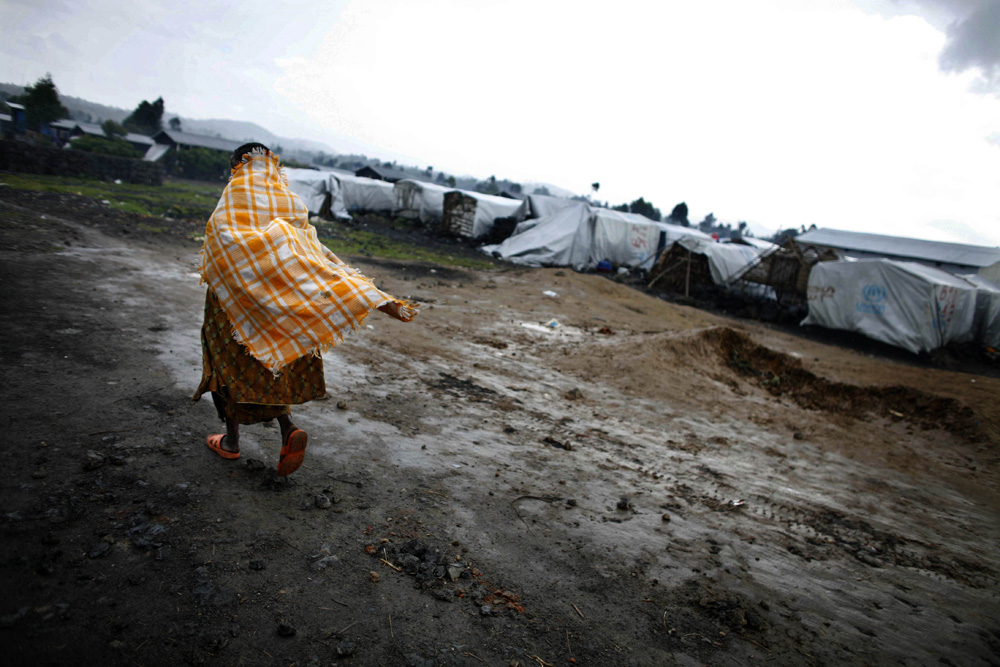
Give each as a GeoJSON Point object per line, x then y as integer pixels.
{"type": "Point", "coordinates": [215, 444]}
{"type": "Point", "coordinates": [293, 451]}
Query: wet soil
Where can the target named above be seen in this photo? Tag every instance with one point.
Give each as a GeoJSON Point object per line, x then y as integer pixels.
{"type": "Point", "coordinates": [599, 477]}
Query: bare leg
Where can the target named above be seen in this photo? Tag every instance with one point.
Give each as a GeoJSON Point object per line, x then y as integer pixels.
{"type": "Point", "coordinates": [231, 443]}
{"type": "Point", "coordinates": [293, 446]}
{"type": "Point", "coordinates": [285, 422]}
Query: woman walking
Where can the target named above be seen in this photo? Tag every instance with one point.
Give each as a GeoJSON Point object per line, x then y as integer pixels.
{"type": "Point", "coordinates": [276, 299]}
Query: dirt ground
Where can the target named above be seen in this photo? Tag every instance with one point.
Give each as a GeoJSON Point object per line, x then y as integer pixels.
{"type": "Point", "coordinates": [594, 478]}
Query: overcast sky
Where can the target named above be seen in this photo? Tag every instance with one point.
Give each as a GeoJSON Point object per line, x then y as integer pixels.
{"type": "Point", "coordinates": [869, 115]}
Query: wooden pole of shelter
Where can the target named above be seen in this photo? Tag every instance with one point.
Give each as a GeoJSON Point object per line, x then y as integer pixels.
{"type": "Point", "coordinates": [687, 278]}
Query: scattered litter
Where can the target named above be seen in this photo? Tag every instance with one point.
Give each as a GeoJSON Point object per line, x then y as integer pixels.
{"type": "Point", "coordinates": [552, 324]}
{"type": "Point", "coordinates": [549, 440]}
{"type": "Point", "coordinates": [606, 331]}
{"type": "Point", "coordinates": [738, 503]}
{"type": "Point", "coordinates": [118, 181]}
{"type": "Point", "coordinates": [549, 292]}
{"type": "Point", "coordinates": [896, 414]}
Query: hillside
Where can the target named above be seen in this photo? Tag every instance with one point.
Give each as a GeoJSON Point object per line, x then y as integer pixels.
{"type": "Point", "coordinates": [93, 112]}
{"type": "Point", "coordinates": [303, 150]}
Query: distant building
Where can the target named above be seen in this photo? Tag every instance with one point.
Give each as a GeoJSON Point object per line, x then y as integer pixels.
{"type": "Point", "coordinates": [18, 118]}
{"type": "Point", "coordinates": [183, 141]}
{"type": "Point", "coordinates": [62, 131]}
{"type": "Point", "coordinates": [139, 142]}
{"type": "Point", "coordinates": [957, 258]}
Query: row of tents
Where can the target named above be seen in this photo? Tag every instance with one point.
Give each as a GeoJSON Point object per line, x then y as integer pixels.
{"type": "Point", "coordinates": [916, 307]}
{"type": "Point", "coordinates": [338, 195]}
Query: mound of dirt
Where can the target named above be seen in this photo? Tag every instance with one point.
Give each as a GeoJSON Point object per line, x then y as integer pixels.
{"type": "Point", "coordinates": [784, 375]}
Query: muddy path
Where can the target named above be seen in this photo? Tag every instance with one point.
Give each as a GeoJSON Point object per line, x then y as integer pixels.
{"type": "Point", "coordinates": [595, 477]}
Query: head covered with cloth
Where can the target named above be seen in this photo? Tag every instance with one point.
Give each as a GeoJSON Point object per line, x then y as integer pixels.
{"type": "Point", "coordinates": [277, 298]}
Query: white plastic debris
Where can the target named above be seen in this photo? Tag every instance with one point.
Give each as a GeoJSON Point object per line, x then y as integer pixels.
{"type": "Point", "coordinates": [550, 293]}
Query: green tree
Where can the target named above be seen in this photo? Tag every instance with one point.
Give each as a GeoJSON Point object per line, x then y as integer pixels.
{"type": "Point", "coordinates": [175, 124]}
{"type": "Point", "coordinates": [116, 147]}
{"type": "Point", "coordinates": [41, 103]}
{"type": "Point", "coordinates": [542, 190]}
{"type": "Point", "coordinates": [489, 186]}
{"type": "Point", "coordinates": [643, 207]}
{"type": "Point", "coordinates": [147, 117]}
{"type": "Point", "coordinates": [679, 216]}
{"type": "Point", "coordinates": [451, 182]}
{"type": "Point", "coordinates": [112, 129]}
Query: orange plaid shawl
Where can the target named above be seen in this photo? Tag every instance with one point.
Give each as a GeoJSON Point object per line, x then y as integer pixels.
{"type": "Point", "coordinates": [284, 292]}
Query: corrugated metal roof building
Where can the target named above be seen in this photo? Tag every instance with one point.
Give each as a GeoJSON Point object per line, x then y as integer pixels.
{"type": "Point", "coordinates": [185, 140]}
{"type": "Point", "coordinates": [956, 258]}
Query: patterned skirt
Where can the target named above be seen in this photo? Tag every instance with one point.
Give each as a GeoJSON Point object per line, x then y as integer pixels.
{"type": "Point", "coordinates": [243, 389]}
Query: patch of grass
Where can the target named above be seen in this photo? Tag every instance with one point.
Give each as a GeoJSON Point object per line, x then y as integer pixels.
{"type": "Point", "coordinates": [151, 228]}
{"type": "Point", "coordinates": [360, 242]}
{"type": "Point", "coordinates": [176, 198]}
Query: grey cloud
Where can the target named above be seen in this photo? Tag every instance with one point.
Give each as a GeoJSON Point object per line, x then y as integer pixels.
{"type": "Point", "coordinates": [974, 42]}
{"type": "Point", "coordinates": [972, 28]}
{"type": "Point", "coordinates": [60, 42]}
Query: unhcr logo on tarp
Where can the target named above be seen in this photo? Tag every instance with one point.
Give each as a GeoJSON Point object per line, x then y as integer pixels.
{"type": "Point", "coordinates": [873, 296]}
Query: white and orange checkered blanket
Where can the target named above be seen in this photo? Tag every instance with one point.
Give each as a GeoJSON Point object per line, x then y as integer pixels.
{"type": "Point", "coordinates": [285, 293]}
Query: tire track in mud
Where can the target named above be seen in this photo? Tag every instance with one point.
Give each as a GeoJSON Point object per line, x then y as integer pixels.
{"type": "Point", "coordinates": [812, 531]}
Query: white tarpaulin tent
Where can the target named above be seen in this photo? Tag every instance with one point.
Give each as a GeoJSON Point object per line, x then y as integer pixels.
{"type": "Point", "coordinates": [760, 244]}
{"type": "Point", "coordinates": [317, 189]}
{"type": "Point", "coordinates": [417, 200]}
{"type": "Point", "coordinates": [311, 185]}
{"type": "Point", "coordinates": [987, 325]}
{"type": "Point", "coordinates": [912, 306]}
{"type": "Point", "coordinates": [725, 260]}
{"type": "Point", "coordinates": [478, 223]}
{"type": "Point", "coordinates": [366, 194]}
{"type": "Point", "coordinates": [540, 206]}
{"type": "Point", "coordinates": [580, 236]}
{"type": "Point", "coordinates": [488, 209]}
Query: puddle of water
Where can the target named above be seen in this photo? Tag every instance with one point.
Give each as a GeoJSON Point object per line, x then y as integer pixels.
{"type": "Point", "coordinates": [557, 331]}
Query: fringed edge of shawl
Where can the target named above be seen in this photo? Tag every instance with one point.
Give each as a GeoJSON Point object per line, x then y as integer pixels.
{"type": "Point", "coordinates": [275, 365]}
